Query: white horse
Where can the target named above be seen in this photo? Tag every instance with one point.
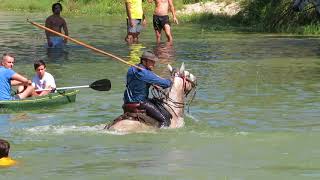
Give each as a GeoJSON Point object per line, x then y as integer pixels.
{"type": "Point", "coordinates": [299, 5]}
{"type": "Point", "coordinates": [173, 101]}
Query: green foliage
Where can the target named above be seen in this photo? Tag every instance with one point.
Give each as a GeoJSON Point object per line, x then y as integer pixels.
{"type": "Point", "coordinates": [193, 1]}
{"type": "Point", "coordinates": [211, 22]}
{"type": "Point", "coordinates": [275, 15]}
{"type": "Point", "coordinates": [261, 16]}
{"type": "Point", "coordinates": [70, 7]}
{"type": "Point", "coordinates": [31, 5]}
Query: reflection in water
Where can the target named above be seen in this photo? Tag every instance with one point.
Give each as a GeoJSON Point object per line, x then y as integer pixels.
{"type": "Point", "coordinates": [165, 52]}
{"type": "Point", "coordinates": [19, 117]}
{"type": "Point", "coordinates": [166, 55]}
{"type": "Point", "coordinates": [57, 53]}
{"type": "Point", "coordinates": [136, 51]}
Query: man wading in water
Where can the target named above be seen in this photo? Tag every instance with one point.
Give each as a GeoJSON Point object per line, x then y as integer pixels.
{"type": "Point", "coordinates": [161, 18]}
{"type": "Point", "coordinates": [135, 20]}
{"type": "Point", "coordinates": [56, 23]}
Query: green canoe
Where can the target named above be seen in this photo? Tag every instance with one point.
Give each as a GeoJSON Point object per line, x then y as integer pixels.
{"type": "Point", "coordinates": [52, 99]}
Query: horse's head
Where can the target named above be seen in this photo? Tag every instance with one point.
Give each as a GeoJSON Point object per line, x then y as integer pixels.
{"type": "Point", "coordinates": [182, 79]}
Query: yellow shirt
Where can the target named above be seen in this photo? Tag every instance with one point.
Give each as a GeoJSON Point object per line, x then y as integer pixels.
{"type": "Point", "coordinates": [6, 161]}
{"type": "Point", "coordinates": [135, 7]}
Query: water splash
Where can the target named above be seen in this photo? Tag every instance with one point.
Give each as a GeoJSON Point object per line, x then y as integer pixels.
{"type": "Point", "coordinates": [64, 129]}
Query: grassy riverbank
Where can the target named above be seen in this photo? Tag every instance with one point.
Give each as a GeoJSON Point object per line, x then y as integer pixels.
{"type": "Point", "coordinates": [70, 7]}
{"type": "Point", "coordinates": [257, 16]}
{"type": "Point", "coordinates": [77, 7]}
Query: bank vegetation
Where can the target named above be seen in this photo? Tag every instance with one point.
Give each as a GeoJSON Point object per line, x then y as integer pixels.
{"type": "Point", "coordinates": [251, 16]}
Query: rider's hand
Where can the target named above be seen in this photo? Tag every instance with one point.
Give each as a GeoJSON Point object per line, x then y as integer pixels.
{"type": "Point", "coordinates": [156, 87]}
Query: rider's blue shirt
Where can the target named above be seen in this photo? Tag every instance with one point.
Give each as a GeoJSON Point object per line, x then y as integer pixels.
{"type": "Point", "coordinates": [139, 82]}
{"type": "Point", "coordinates": [5, 83]}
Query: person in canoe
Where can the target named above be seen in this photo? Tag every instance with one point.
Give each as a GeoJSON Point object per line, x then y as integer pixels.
{"type": "Point", "coordinates": [9, 77]}
{"type": "Point", "coordinates": [56, 23]}
{"type": "Point", "coordinates": [138, 84]}
{"type": "Point", "coordinates": [42, 79]}
{"type": "Point", "coordinates": [5, 160]}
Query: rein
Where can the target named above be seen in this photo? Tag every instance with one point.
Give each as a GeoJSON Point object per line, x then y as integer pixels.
{"type": "Point", "coordinates": [162, 95]}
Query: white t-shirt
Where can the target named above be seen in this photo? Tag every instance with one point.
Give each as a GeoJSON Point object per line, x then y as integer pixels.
{"type": "Point", "coordinates": [47, 80]}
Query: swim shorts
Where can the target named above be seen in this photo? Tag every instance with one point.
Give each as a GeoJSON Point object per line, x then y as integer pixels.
{"type": "Point", "coordinates": [57, 41]}
{"type": "Point", "coordinates": [160, 21]}
{"type": "Point", "coordinates": [137, 26]}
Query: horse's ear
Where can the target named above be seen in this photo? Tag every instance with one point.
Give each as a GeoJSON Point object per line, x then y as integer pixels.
{"type": "Point", "coordinates": [170, 68]}
{"type": "Point", "coordinates": [182, 68]}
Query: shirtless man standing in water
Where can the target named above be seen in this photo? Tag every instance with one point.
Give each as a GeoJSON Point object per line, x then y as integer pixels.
{"type": "Point", "coordinates": [161, 18]}
{"type": "Point", "coordinates": [56, 23]}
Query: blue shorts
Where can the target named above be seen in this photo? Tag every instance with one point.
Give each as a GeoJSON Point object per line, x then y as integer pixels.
{"type": "Point", "coordinates": [137, 26]}
{"type": "Point", "coordinates": [57, 41]}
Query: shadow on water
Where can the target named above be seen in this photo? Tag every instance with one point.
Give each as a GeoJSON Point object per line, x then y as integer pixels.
{"type": "Point", "coordinates": [165, 52]}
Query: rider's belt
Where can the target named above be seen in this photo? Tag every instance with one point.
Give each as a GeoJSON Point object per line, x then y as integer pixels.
{"type": "Point", "coordinates": [132, 108]}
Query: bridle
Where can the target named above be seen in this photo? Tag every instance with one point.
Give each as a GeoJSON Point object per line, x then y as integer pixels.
{"type": "Point", "coordinates": [185, 81]}
{"type": "Point", "coordinates": [186, 92]}
{"type": "Point", "coordinates": [163, 95]}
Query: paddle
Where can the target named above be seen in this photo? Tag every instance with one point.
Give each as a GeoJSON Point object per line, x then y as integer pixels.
{"type": "Point", "coordinates": [83, 44]}
{"type": "Point", "coordinates": [99, 85]}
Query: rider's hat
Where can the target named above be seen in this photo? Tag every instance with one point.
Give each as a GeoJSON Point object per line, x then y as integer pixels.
{"type": "Point", "coordinates": [149, 56]}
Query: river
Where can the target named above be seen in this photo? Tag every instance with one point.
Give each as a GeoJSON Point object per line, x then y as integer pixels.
{"type": "Point", "coordinates": [255, 114]}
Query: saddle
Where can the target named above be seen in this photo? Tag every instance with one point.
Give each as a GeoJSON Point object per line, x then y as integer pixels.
{"type": "Point", "coordinates": [132, 111]}
{"type": "Point", "coordinates": [142, 117]}
{"type": "Point", "coordinates": [132, 108]}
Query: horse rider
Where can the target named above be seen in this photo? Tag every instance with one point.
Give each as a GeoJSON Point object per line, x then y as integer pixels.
{"type": "Point", "coordinates": [136, 95]}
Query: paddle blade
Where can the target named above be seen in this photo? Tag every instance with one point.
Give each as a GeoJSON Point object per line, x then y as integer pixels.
{"type": "Point", "coordinates": [101, 85]}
